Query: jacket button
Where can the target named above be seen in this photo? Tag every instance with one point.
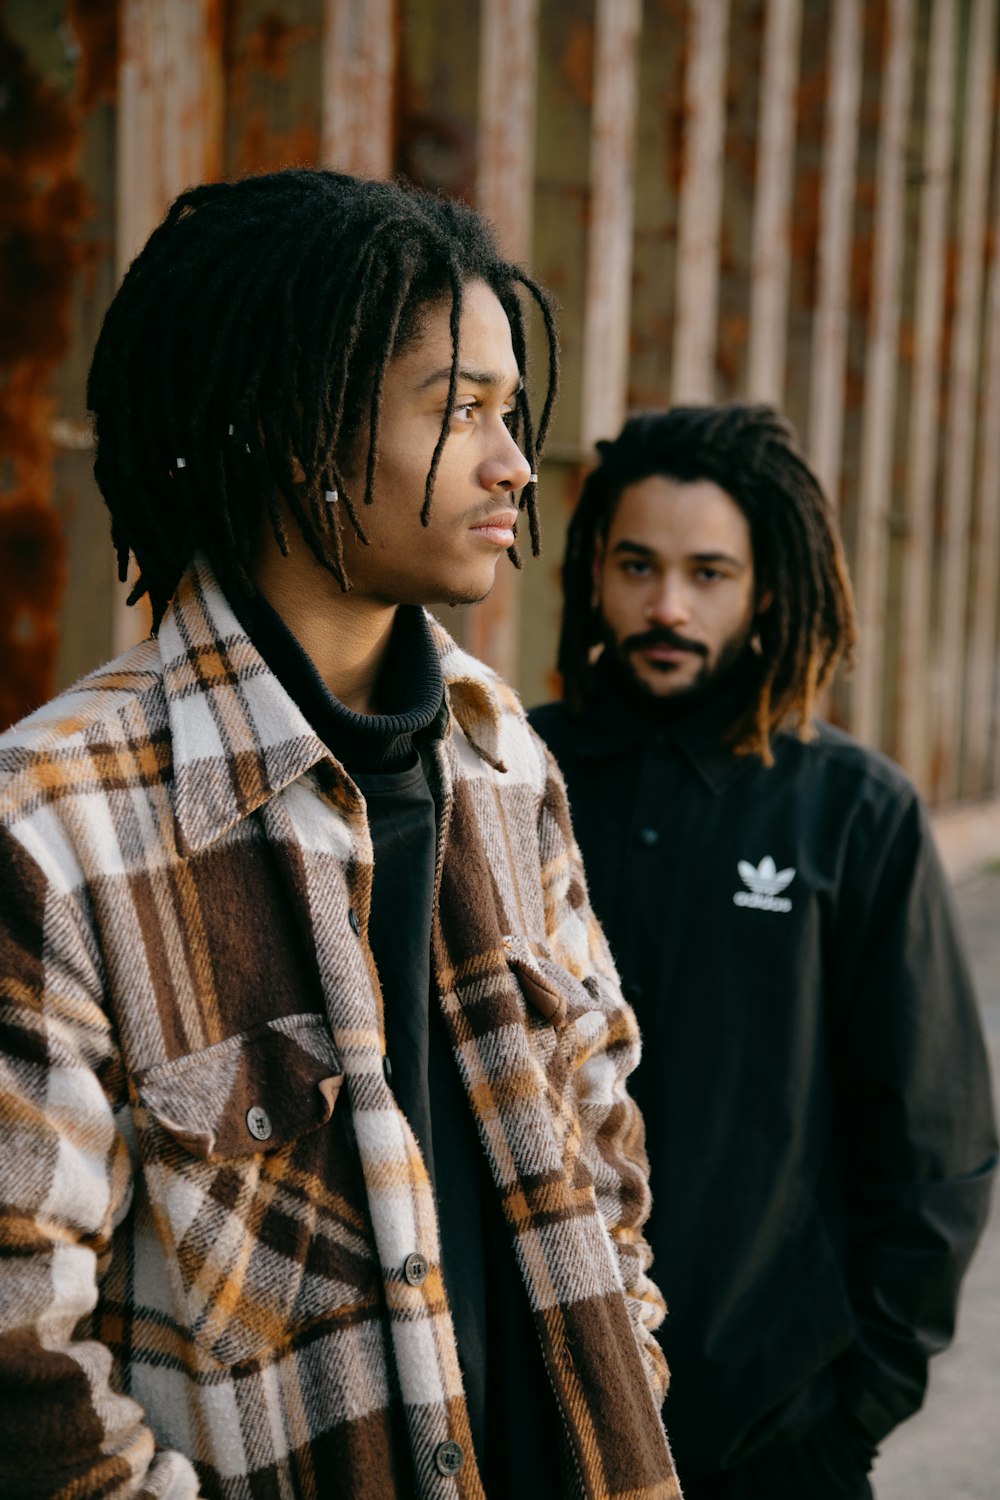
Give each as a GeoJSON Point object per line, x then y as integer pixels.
{"type": "Point", "coordinates": [387, 1069]}
{"type": "Point", "coordinates": [649, 837]}
{"type": "Point", "coordinates": [352, 918]}
{"type": "Point", "coordinates": [415, 1268]}
{"type": "Point", "coordinates": [259, 1123]}
{"type": "Point", "coordinates": [449, 1457]}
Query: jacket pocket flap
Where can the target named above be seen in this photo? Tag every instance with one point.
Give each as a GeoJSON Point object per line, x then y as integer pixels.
{"type": "Point", "coordinates": [540, 990]}
{"type": "Point", "coordinates": [253, 1092]}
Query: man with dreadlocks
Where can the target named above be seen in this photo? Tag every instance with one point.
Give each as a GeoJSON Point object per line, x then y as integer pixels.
{"type": "Point", "coordinates": [319, 1173]}
{"type": "Point", "coordinates": [814, 1079]}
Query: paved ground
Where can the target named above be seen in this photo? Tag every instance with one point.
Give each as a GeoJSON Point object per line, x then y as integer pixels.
{"type": "Point", "coordinates": [951, 1449]}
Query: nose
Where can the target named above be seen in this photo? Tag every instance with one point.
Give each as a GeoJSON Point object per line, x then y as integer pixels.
{"type": "Point", "coordinates": [670, 604]}
{"type": "Point", "coordinates": [506, 467]}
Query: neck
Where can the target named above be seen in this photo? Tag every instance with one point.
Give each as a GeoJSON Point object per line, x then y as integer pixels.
{"type": "Point", "coordinates": [346, 636]}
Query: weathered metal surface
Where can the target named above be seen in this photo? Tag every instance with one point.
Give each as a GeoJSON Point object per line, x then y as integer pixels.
{"type": "Point", "coordinates": [914, 626]}
{"type": "Point", "coordinates": [504, 192]}
{"type": "Point", "coordinates": [359, 59]}
{"type": "Point", "coordinates": [961, 425]}
{"type": "Point", "coordinates": [775, 245]}
{"type": "Point", "coordinates": [878, 420]}
{"type": "Point", "coordinates": [832, 313]}
{"type": "Point", "coordinates": [612, 195]}
{"type": "Point", "coordinates": [771, 246]}
{"type": "Point", "coordinates": [696, 301]}
{"type": "Point", "coordinates": [274, 84]}
{"type": "Point", "coordinates": [169, 110]}
{"type": "Point", "coordinates": [43, 205]}
{"type": "Point", "coordinates": [983, 679]}
{"type": "Point", "coordinates": [169, 137]}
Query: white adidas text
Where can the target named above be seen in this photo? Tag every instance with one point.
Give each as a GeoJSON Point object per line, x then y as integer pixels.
{"type": "Point", "coordinates": [762, 903]}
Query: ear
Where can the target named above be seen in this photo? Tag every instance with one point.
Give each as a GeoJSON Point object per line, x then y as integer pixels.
{"type": "Point", "coordinates": [765, 601]}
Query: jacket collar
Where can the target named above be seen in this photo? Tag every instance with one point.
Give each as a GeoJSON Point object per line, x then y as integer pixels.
{"type": "Point", "coordinates": [238, 738]}
{"type": "Point", "coordinates": [613, 723]}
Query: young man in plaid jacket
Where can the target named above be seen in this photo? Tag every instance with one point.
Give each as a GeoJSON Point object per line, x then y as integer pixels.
{"type": "Point", "coordinates": [319, 1172]}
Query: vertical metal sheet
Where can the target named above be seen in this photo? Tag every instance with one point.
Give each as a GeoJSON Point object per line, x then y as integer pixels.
{"type": "Point", "coordinates": [504, 192]}
{"type": "Point", "coordinates": [359, 61]}
{"type": "Point", "coordinates": [697, 295]}
{"type": "Point", "coordinates": [169, 137]}
{"type": "Point", "coordinates": [612, 198]}
{"type": "Point", "coordinates": [771, 251]}
{"type": "Point", "coordinates": [831, 316]}
{"type": "Point", "coordinates": [914, 656]}
{"type": "Point", "coordinates": [961, 424]}
{"type": "Point", "coordinates": [878, 419]}
{"type": "Point", "coordinates": [983, 667]}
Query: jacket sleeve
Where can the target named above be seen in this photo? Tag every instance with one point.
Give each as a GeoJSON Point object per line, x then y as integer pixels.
{"type": "Point", "coordinates": [915, 1120]}
{"type": "Point", "coordinates": [612, 1127]}
{"type": "Point", "coordinates": [65, 1178]}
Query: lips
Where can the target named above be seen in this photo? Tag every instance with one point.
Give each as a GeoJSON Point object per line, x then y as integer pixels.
{"type": "Point", "coordinates": [497, 528]}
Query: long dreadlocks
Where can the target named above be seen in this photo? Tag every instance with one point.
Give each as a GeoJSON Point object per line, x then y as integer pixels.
{"type": "Point", "coordinates": [243, 359]}
{"type": "Point", "coordinates": [808, 626]}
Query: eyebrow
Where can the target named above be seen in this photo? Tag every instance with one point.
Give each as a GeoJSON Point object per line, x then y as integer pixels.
{"type": "Point", "coordinates": [488, 378]}
{"type": "Point", "coordinates": [641, 550]}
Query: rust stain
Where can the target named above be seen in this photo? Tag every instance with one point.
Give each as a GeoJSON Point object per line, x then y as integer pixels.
{"type": "Point", "coordinates": [43, 203]}
{"type": "Point", "coordinates": [270, 44]}
{"type": "Point", "coordinates": [264, 149]}
{"type": "Point", "coordinates": [94, 23]}
{"type": "Point", "coordinates": [576, 65]}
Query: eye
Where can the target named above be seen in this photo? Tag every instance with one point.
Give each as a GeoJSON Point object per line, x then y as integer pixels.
{"type": "Point", "coordinates": [464, 412]}
{"type": "Point", "coordinates": [634, 567]}
{"type": "Point", "coordinates": [709, 575]}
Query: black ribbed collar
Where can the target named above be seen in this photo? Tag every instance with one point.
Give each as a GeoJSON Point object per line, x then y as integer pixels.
{"type": "Point", "coordinates": [410, 681]}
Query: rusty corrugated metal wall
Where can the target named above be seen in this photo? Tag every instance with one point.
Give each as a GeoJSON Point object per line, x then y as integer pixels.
{"type": "Point", "coordinates": [793, 200]}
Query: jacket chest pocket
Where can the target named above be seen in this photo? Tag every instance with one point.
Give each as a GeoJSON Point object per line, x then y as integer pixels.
{"type": "Point", "coordinates": [256, 1186]}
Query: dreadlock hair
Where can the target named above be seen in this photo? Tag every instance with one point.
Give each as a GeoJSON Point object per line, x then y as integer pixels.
{"type": "Point", "coordinates": [808, 625]}
{"type": "Point", "coordinates": [244, 356]}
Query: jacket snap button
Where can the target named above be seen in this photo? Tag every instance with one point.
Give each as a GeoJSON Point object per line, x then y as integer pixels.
{"type": "Point", "coordinates": [649, 837]}
{"type": "Point", "coordinates": [415, 1268]}
{"type": "Point", "coordinates": [259, 1123]}
{"type": "Point", "coordinates": [352, 918]}
{"type": "Point", "coordinates": [449, 1457]}
{"type": "Point", "coordinates": [387, 1069]}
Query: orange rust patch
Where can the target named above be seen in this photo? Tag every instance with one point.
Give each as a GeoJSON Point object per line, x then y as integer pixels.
{"type": "Point", "coordinates": [94, 23]}
{"type": "Point", "coordinates": [42, 205]}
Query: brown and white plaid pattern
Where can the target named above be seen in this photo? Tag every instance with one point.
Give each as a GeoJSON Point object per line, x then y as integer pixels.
{"type": "Point", "coordinates": [207, 1192]}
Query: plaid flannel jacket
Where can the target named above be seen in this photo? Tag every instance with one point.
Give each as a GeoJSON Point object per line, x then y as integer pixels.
{"type": "Point", "coordinates": [208, 1195]}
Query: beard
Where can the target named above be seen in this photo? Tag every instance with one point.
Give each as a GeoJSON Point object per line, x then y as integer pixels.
{"type": "Point", "coordinates": [714, 670]}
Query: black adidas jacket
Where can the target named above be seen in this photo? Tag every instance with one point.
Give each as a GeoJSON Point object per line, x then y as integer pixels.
{"type": "Point", "coordinates": [814, 1079]}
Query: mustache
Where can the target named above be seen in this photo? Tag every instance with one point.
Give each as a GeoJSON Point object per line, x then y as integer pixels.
{"type": "Point", "coordinates": [662, 635]}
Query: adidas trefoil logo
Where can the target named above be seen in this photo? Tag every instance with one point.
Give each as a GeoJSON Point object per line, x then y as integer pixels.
{"type": "Point", "coordinates": [764, 883]}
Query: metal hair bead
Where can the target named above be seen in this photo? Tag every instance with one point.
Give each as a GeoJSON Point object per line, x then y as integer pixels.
{"type": "Point", "coordinates": [181, 463]}
{"type": "Point", "coordinates": [532, 478]}
{"type": "Point", "coordinates": [332, 496]}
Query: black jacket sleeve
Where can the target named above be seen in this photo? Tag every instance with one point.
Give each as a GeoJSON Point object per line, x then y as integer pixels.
{"type": "Point", "coordinates": [915, 1127]}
